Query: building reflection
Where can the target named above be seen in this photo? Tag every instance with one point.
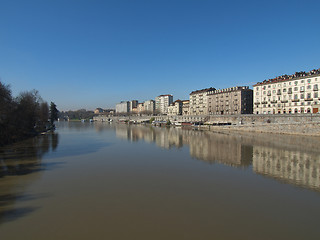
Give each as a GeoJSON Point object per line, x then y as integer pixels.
{"type": "Point", "coordinates": [297, 162]}
{"type": "Point", "coordinates": [204, 146]}
{"type": "Point", "coordinates": [294, 160]}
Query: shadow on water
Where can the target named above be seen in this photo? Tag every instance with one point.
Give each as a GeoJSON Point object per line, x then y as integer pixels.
{"type": "Point", "coordinates": [7, 213]}
{"type": "Point", "coordinates": [20, 159]}
{"type": "Point", "coordinates": [289, 159]}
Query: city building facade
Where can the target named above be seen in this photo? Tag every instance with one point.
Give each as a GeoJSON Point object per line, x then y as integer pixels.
{"type": "Point", "coordinates": [185, 107]}
{"type": "Point", "coordinates": [295, 94]}
{"type": "Point", "coordinates": [149, 106]}
{"type": "Point", "coordinates": [198, 104]}
{"type": "Point", "coordinates": [140, 108]}
{"type": "Point", "coordinates": [163, 102]}
{"type": "Point", "coordinates": [133, 105]}
{"type": "Point", "coordinates": [234, 100]}
{"type": "Point", "coordinates": [123, 107]}
{"type": "Point", "coordinates": [175, 108]}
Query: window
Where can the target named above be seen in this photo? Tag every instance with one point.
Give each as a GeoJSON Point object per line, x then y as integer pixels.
{"type": "Point", "coordinates": [274, 91]}
{"type": "Point", "coordinates": [302, 96]}
{"type": "Point", "coordinates": [309, 80]}
{"type": "Point", "coordinates": [315, 87]}
{"type": "Point", "coordinates": [257, 88]}
{"type": "Point", "coordinates": [302, 89]}
{"type": "Point", "coordinates": [309, 87]}
{"type": "Point", "coordinates": [315, 94]}
{"type": "Point", "coordinates": [309, 95]}
{"type": "Point", "coordinates": [284, 90]}
{"type": "Point", "coordinates": [295, 88]}
{"type": "Point", "coordinates": [257, 94]}
{"type": "Point", "coordinates": [264, 92]}
{"type": "Point", "coordinates": [296, 97]}
{"type": "Point", "coordinates": [302, 81]}
{"type": "Point", "coordinates": [295, 83]}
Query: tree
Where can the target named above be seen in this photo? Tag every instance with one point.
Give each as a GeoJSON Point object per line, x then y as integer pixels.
{"type": "Point", "coordinates": [53, 113]}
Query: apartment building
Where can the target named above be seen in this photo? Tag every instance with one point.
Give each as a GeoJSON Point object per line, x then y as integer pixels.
{"type": "Point", "coordinates": [123, 107]}
{"type": "Point", "coordinates": [149, 106]}
{"type": "Point", "coordinates": [185, 107]}
{"type": "Point", "coordinates": [298, 93]}
{"type": "Point", "coordinates": [175, 108]}
{"type": "Point", "coordinates": [198, 104]}
{"type": "Point", "coordinates": [133, 105]}
{"type": "Point", "coordinates": [234, 100]}
{"type": "Point", "coordinates": [163, 102]}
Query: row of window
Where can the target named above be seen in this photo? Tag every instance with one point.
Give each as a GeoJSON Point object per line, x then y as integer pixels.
{"type": "Point", "coordinates": [302, 88]}
{"type": "Point", "coordinates": [289, 83]}
{"type": "Point", "coordinates": [295, 96]}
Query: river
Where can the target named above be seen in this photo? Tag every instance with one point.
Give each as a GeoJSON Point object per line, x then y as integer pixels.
{"type": "Point", "coordinates": [114, 181]}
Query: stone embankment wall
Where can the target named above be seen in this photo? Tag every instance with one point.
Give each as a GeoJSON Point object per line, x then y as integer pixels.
{"type": "Point", "coordinates": [304, 124]}
{"type": "Point", "coordinates": [308, 129]}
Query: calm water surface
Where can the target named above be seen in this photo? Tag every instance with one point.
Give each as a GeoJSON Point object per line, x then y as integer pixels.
{"type": "Point", "coordinates": [109, 181]}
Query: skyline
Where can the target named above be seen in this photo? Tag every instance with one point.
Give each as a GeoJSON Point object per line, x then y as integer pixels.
{"type": "Point", "coordinates": [89, 54]}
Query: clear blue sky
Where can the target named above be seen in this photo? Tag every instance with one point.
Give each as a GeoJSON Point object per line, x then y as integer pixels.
{"type": "Point", "coordinates": [90, 53]}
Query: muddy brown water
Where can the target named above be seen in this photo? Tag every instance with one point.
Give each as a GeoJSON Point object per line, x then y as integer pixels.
{"type": "Point", "coordinates": [114, 181]}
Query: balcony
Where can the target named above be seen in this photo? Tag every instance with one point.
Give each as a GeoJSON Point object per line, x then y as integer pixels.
{"type": "Point", "coordinates": [274, 101]}
{"type": "Point", "coordinates": [284, 101]}
{"type": "Point", "coordinates": [264, 102]}
{"type": "Point", "coordinates": [256, 103]}
{"type": "Point", "coordinates": [308, 99]}
{"type": "Point", "coordinates": [295, 100]}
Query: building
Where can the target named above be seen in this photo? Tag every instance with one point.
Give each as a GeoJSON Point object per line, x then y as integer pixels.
{"type": "Point", "coordinates": [175, 108]}
{"type": "Point", "coordinates": [133, 105]}
{"type": "Point", "coordinates": [297, 93]}
{"type": "Point", "coordinates": [140, 108]}
{"type": "Point", "coordinates": [163, 102]}
{"type": "Point", "coordinates": [234, 100]}
{"type": "Point", "coordinates": [198, 104]}
{"type": "Point", "coordinates": [149, 106]}
{"type": "Point", "coordinates": [185, 107]}
{"type": "Point", "coordinates": [98, 110]}
{"type": "Point", "coordinates": [123, 107]}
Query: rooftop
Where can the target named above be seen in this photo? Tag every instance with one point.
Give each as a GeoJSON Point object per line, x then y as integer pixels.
{"type": "Point", "coordinates": [297, 75]}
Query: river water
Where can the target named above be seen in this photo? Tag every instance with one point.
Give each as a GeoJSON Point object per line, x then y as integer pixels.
{"type": "Point", "coordinates": [114, 181]}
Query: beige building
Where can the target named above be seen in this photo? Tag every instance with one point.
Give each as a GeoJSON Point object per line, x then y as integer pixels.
{"type": "Point", "coordinates": [199, 101]}
{"type": "Point", "coordinates": [186, 107]}
{"type": "Point", "coordinates": [175, 108]}
{"type": "Point", "coordinates": [298, 93]}
{"type": "Point", "coordinates": [140, 108]}
{"type": "Point", "coordinates": [234, 100]}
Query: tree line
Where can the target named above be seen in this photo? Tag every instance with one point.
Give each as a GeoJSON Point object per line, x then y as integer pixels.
{"type": "Point", "coordinates": [24, 116]}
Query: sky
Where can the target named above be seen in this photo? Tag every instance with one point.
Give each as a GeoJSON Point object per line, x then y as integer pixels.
{"type": "Point", "coordinates": [96, 53]}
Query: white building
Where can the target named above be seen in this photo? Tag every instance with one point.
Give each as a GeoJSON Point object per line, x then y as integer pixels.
{"type": "Point", "coordinates": [149, 106]}
{"type": "Point", "coordinates": [123, 107]}
{"type": "Point", "coordinates": [298, 93]}
{"type": "Point", "coordinates": [163, 102]}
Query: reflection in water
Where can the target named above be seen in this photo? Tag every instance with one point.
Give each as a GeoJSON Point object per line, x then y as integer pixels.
{"type": "Point", "coordinates": [277, 156]}
{"type": "Point", "coordinates": [18, 159]}
{"type": "Point", "coordinates": [296, 167]}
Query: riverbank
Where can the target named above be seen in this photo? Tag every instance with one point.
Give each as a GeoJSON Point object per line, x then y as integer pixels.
{"type": "Point", "coordinates": [303, 124]}
{"type": "Point", "coordinates": [306, 129]}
